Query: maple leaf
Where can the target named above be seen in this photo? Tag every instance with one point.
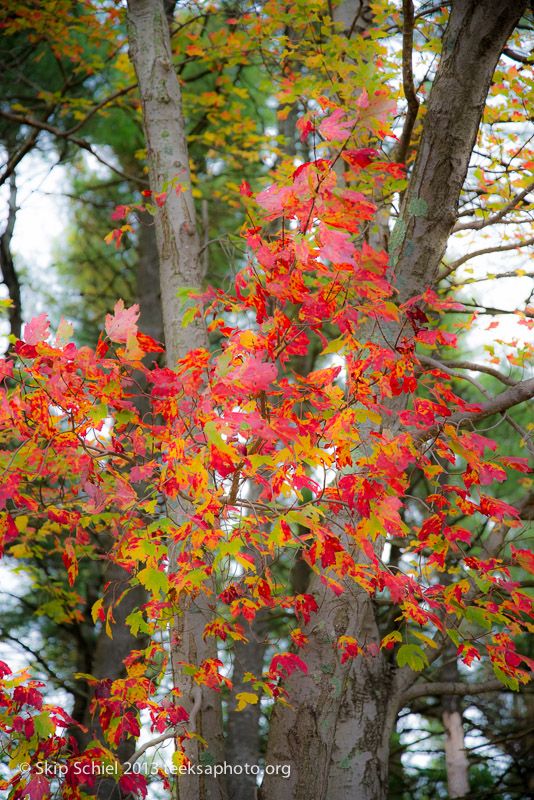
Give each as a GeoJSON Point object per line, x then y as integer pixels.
{"type": "Point", "coordinates": [252, 375]}
{"type": "Point", "coordinates": [244, 699]}
{"type": "Point", "coordinates": [378, 107]}
{"type": "Point", "coordinates": [70, 561]}
{"type": "Point", "coordinates": [525, 558]}
{"type": "Point", "coordinates": [149, 345]}
{"type": "Point", "coordinates": [122, 323]}
{"type": "Point", "coordinates": [360, 158]}
{"type": "Point", "coordinates": [64, 332]}
{"type": "Point", "coordinates": [4, 669]}
{"type": "Point", "coordinates": [37, 789]}
{"type": "Point", "coordinates": [273, 199]}
{"type": "Point", "coordinates": [333, 127]}
{"type": "Point", "coordinates": [244, 189]}
{"type": "Point", "coordinates": [349, 648]}
{"type": "Point", "coordinates": [305, 127]}
{"type": "Point", "coordinates": [37, 330]}
{"type": "Point", "coordinates": [492, 507]}
{"type": "Point", "coordinates": [133, 783]}
{"type": "Point", "coordinates": [336, 246]}
{"type": "Point", "coordinates": [120, 212]}
{"type": "Point", "coordinates": [28, 695]}
{"type": "Point", "coordinates": [468, 653]}
{"type": "Point", "coordinates": [288, 663]}
{"type": "Point", "coordinates": [8, 530]}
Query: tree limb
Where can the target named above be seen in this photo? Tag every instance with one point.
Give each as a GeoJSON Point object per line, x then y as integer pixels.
{"type": "Point", "coordinates": [447, 365]}
{"type": "Point", "coordinates": [407, 81]}
{"type": "Point", "coordinates": [499, 216]}
{"type": "Point", "coordinates": [448, 688]}
{"type": "Point", "coordinates": [497, 405]}
{"type": "Point", "coordinates": [40, 125]}
{"type": "Point", "coordinates": [468, 256]}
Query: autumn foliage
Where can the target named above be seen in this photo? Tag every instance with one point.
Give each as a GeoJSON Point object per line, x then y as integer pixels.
{"type": "Point", "coordinates": [267, 464]}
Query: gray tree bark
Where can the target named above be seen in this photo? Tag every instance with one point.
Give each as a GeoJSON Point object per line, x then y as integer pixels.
{"type": "Point", "coordinates": [7, 265]}
{"type": "Point", "coordinates": [451, 714]}
{"type": "Point", "coordinates": [336, 735]}
{"type": "Point", "coordinates": [180, 266]}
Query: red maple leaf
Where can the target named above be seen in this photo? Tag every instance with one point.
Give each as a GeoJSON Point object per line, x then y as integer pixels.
{"type": "Point", "coordinates": [37, 330]}
{"type": "Point", "coordinates": [37, 788]}
{"type": "Point", "coordinates": [288, 663]}
{"type": "Point", "coordinates": [122, 322]}
{"type": "Point", "coordinates": [133, 783]}
{"type": "Point", "coordinates": [252, 375]}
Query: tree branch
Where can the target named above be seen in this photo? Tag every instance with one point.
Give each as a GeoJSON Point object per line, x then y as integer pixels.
{"type": "Point", "coordinates": [450, 688]}
{"type": "Point", "coordinates": [494, 218]}
{"type": "Point", "coordinates": [515, 56]}
{"type": "Point", "coordinates": [468, 256]}
{"type": "Point", "coordinates": [497, 405]}
{"type": "Point", "coordinates": [40, 125]}
{"type": "Point", "coordinates": [407, 81]}
{"type": "Point", "coordinates": [447, 365]}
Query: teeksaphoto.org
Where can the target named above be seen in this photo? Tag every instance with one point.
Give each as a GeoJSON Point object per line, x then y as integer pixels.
{"type": "Point", "coordinates": [145, 768]}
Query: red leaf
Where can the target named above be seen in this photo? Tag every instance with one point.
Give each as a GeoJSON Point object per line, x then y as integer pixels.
{"type": "Point", "coordinates": [305, 127]}
{"type": "Point", "coordinates": [335, 126]}
{"type": "Point", "coordinates": [37, 330]}
{"type": "Point", "coordinates": [148, 344]}
{"type": "Point", "coordinates": [37, 788]}
{"type": "Point", "coordinates": [288, 663]}
{"type": "Point", "coordinates": [133, 783]}
{"type": "Point", "coordinates": [245, 189]}
{"type": "Point", "coordinates": [8, 531]}
{"type": "Point", "coordinates": [28, 695]}
{"type": "Point", "coordinates": [121, 212]}
{"type": "Point", "coordinates": [360, 158]}
{"type": "Point", "coordinates": [122, 322]}
{"type": "Point", "coordinates": [525, 559]}
{"type": "Point", "coordinates": [492, 507]}
{"type": "Point", "coordinates": [253, 375]}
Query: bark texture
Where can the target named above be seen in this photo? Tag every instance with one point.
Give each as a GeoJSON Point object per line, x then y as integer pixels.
{"type": "Point", "coordinates": [7, 265]}
{"type": "Point", "coordinates": [179, 267]}
{"type": "Point", "coordinates": [175, 222]}
{"type": "Point", "coordinates": [336, 735]}
{"type": "Point", "coordinates": [242, 731]}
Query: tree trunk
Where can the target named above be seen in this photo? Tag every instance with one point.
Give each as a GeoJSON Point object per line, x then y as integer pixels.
{"type": "Point", "coordinates": [180, 266]}
{"type": "Point", "coordinates": [455, 754]}
{"type": "Point", "coordinates": [147, 280]}
{"type": "Point", "coordinates": [7, 265]}
{"type": "Point", "coordinates": [329, 735]}
{"type": "Point", "coordinates": [242, 733]}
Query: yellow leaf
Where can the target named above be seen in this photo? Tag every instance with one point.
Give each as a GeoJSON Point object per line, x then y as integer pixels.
{"type": "Point", "coordinates": [246, 698]}
{"type": "Point", "coordinates": [96, 608]}
{"type": "Point", "coordinates": [21, 523]}
{"type": "Point", "coordinates": [425, 639]}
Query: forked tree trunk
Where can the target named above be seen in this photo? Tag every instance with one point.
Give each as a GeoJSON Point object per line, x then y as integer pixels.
{"type": "Point", "coordinates": [180, 266]}
{"type": "Point", "coordinates": [336, 734]}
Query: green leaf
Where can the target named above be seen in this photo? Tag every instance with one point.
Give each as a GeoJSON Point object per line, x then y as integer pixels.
{"type": "Point", "coordinates": [43, 725]}
{"type": "Point", "coordinates": [98, 413]}
{"type": "Point", "coordinates": [154, 580]}
{"type": "Point", "coordinates": [477, 616]}
{"type": "Point", "coordinates": [412, 655]}
{"type": "Point", "coordinates": [455, 636]}
{"type": "Point", "coordinates": [512, 683]}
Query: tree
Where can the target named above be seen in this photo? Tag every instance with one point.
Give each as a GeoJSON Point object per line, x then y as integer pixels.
{"type": "Point", "coordinates": [331, 453]}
